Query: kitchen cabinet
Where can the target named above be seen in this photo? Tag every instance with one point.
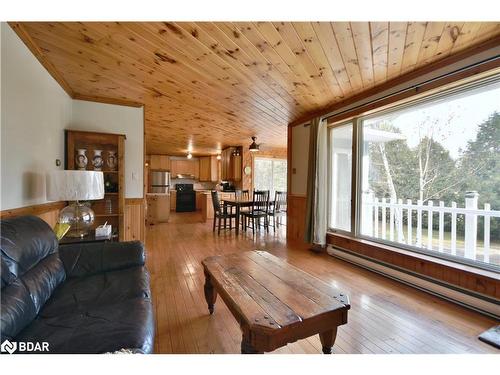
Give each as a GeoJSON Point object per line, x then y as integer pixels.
{"type": "Point", "coordinates": [200, 195]}
{"type": "Point", "coordinates": [231, 164]}
{"type": "Point", "coordinates": [209, 168]}
{"type": "Point", "coordinates": [207, 208]}
{"type": "Point", "coordinates": [237, 165]}
{"type": "Point", "coordinates": [159, 162]}
{"type": "Point", "coordinates": [187, 167]}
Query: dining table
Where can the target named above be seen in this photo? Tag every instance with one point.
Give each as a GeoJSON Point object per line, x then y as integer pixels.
{"type": "Point", "coordinates": [238, 204]}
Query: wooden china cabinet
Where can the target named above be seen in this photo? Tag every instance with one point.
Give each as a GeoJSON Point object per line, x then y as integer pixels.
{"type": "Point", "coordinates": [105, 151]}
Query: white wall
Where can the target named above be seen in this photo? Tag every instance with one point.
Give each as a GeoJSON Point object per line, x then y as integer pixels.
{"type": "Point", "coordinates": [109, 118]}
{"type": "Point", "coordinates": [300, 159]}
{"type": "Point", "coordinates": [35, 110]}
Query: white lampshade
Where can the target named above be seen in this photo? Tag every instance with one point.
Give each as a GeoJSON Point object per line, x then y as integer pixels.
{"type": "Point", "coordinates": [75, 185]}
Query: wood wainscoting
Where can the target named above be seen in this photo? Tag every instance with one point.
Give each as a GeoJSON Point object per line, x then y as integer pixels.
{"type": "Point", "coordinates": [46, 211]}
{"type": "Point", "coordinates": [295, 220]}
{"type": "Point", "coordinates": [135, 215]}
{"type": "Point", "coordinates": [478, 281]}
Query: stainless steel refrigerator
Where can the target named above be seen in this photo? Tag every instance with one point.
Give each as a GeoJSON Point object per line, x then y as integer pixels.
{"type": "Point", "coordinates": [160, 182]}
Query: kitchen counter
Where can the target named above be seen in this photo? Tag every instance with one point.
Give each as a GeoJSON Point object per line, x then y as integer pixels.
{"type": "Point", "coordinates": [206, 206]}
{"type": "Point", "coordinates": [158, 207]}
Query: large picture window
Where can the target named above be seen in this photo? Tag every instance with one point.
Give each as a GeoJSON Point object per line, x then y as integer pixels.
{"type": "Point", "coordinates": [428, 176]}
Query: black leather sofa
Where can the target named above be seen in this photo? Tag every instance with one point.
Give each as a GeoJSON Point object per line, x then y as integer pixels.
{"type": "Point", "coordinates": [81, 298]}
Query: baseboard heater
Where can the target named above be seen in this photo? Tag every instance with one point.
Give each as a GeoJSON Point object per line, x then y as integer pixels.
{"type": "Point", "coordinates": [482, 304]}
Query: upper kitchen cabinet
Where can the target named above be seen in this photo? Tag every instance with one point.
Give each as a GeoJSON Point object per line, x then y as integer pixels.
{"type": "Point", "coordinates": [159, 162]}
{"type": "Point", "coordinates": [231, 164]}
{"type": "Point", "coordinates": [209, 167]}
{"type": "Point", "coordinates": [188, 167]}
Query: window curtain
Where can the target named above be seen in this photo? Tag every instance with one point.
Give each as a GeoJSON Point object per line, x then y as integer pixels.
{"type": "Point", "coordinates": [316, 207]}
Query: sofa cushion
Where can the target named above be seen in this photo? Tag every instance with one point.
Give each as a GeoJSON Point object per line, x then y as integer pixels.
{"type": "Point", "coordinates": [24, 241]}
{"type": "Point", "coordinates": [83, 259]}
{"type": "Point", "coordinates": [17, 309]}
{"type": "Point", "coordinates": [43, 279]}
{"type": "Point", "coordinates": [97, 329]}
{"type": "Point", "coordinates": [23, 298]}
{"type": "Point", "coordinates": [81, 293]}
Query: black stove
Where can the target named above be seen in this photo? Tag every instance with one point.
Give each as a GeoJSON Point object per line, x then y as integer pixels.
{"type": "Point", "coordinates": [186, 198]}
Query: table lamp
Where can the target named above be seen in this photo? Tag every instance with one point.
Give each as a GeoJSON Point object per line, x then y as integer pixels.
{"type": "Point", "coordinates": [75, 186]}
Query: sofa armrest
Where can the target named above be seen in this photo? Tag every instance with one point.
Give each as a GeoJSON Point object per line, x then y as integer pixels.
{"type": "Point", "coordinates": [91, 258]}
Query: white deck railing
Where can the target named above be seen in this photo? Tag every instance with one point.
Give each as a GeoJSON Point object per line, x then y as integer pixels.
{"type": "Point", "coordinates": [376, 212]}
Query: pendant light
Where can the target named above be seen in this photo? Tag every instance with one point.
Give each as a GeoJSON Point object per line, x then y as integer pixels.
{"type": "Point", "coordinates": [254, 147]}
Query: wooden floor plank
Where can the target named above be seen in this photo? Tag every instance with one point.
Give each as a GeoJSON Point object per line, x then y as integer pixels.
{"type": "Point", "coordinates": [385, 316]}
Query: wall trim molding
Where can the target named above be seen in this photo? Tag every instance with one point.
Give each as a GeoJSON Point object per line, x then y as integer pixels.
{"type": "Point", "coordinates": [107, 100]}
{"type": "Point", "coordinates": [40, 56]}
{"type": "Point", "coordinates": [36, 209]}
{"type": "Point", "coordinates": [54, 73]}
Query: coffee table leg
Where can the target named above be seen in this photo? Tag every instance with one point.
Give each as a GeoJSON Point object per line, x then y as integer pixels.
{"type": "Point", "coordinates": [327, 340]}
{"type": "Point", "coordinates": [247, 348]}
{"type": "Point", "coordinates": [210, 293]}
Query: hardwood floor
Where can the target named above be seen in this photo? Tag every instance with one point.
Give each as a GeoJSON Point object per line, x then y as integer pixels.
{"type": "Point", "coordinates": [385, 316]}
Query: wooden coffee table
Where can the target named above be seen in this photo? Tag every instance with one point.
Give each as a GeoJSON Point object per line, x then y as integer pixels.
{"type": "Point", "coordinates": [274, 302]}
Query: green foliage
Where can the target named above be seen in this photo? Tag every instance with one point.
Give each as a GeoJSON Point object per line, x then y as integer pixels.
{"type": "Point", "coordinates": [442, 177]}
{"type": "Point", "coordinates": [479, 164]}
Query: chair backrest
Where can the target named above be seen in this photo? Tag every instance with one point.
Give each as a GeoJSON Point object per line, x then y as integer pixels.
{"type": "Point", "coordinates": [260, 200]}
{"type": "Point", "coordinates": [280, 201]}
{"type": "Point", "coordinates": [243, 195]}
{"type": "Point", "coordinates": [215, 202]}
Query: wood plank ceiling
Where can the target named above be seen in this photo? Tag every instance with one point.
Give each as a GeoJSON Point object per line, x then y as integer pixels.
{"type": "Point", "coordinates": [209, 85]}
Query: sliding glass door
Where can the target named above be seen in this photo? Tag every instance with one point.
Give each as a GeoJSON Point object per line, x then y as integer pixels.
{"type": "Point", "coordinates": [270, 174]}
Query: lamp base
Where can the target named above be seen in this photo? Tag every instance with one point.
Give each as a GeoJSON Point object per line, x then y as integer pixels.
{"type": "Point", "coordinates": [79, 216]}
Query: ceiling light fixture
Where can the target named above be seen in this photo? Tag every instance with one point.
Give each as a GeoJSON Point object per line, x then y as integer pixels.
{"type": "Point", "coordinates": [254, 147]}
{"type": "Point", "coordinates": [189, 156]}
{"type": "Point", "coordinates": [218, 157]}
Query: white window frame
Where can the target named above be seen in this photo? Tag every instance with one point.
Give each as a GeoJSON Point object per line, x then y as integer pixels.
{"type": "Point", "coordinates": [356, 193]}
{"type": "Point", "coordinates": [351, 122]}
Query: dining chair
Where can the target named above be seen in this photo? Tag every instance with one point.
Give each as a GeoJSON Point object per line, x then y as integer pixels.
{"type": "Point", "coordinates": [220, 213]}
{"type": "Point", "coordinates": [243, 195]}
{"type": "Point", "coordinates": [258, 210]}
{"type": "Point", "coordinates": [278, 209]}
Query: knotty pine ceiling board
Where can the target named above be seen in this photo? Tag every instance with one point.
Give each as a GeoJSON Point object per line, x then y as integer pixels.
{"type": "Point", "coordinates": [207, 85]}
